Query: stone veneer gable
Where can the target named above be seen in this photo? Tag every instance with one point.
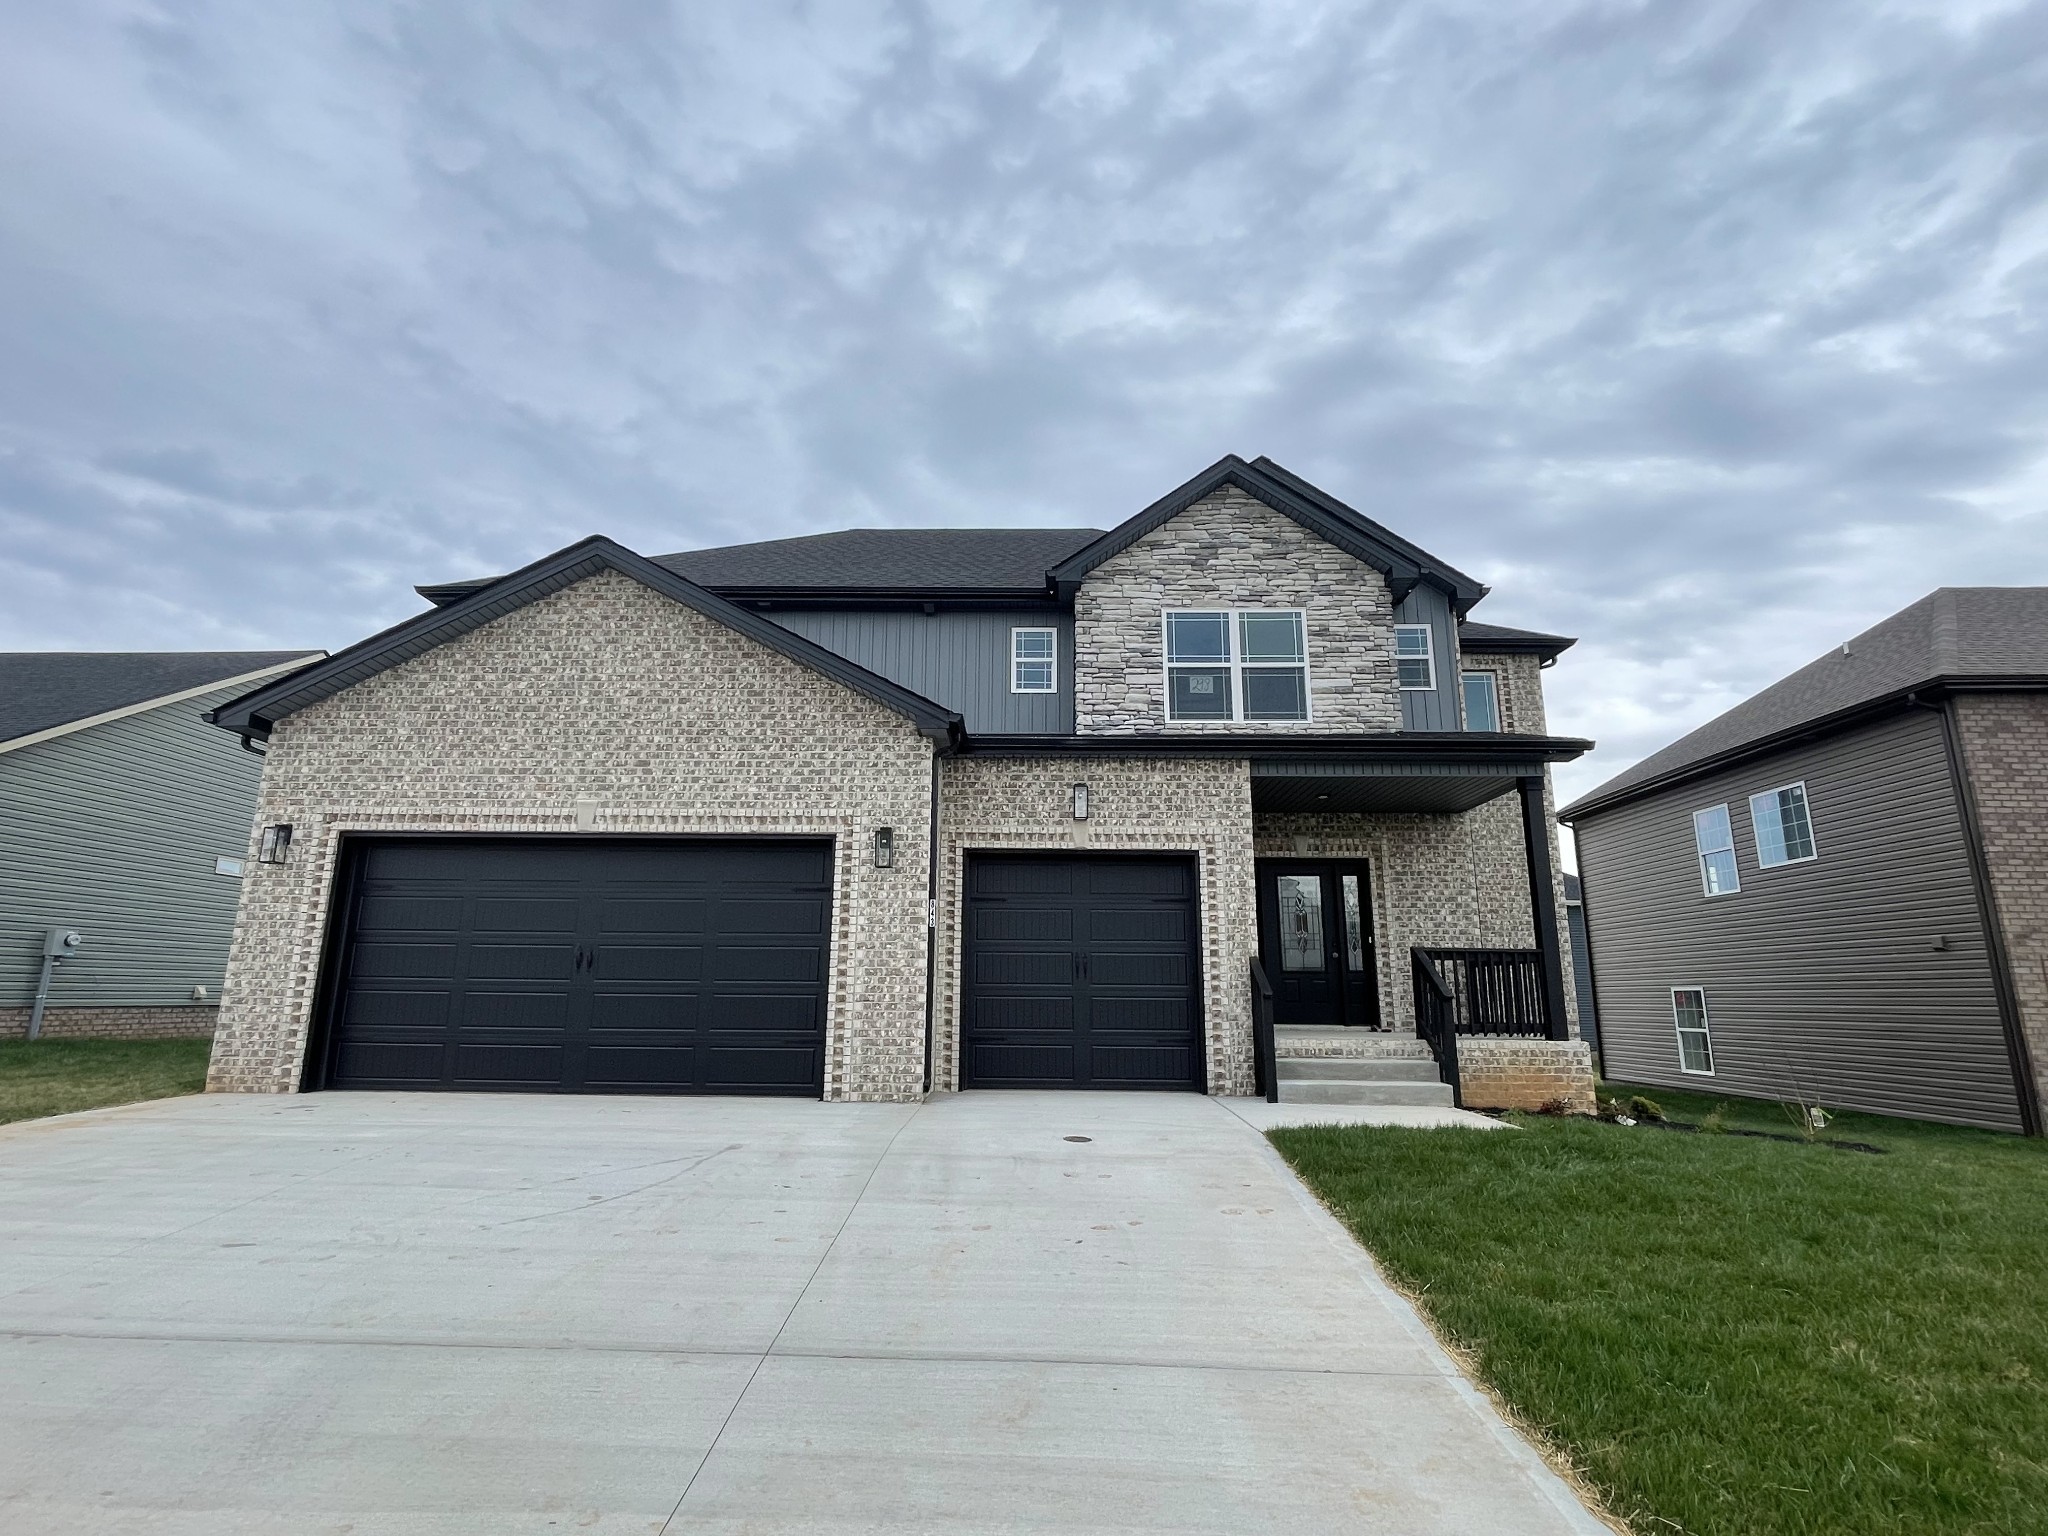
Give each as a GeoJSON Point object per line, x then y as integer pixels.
{"type": "Point", "coordinates": [1229, 550]}
{"type": "Point", "coordinates": [664, 722]}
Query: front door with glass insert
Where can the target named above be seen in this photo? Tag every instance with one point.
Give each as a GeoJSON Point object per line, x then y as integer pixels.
{"type": "Point", "coordinates": [1315, 937]}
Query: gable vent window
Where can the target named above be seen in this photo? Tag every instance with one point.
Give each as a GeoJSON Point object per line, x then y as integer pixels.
{"type": "Point", "coordinates": [1715, 839]}
{"type": "Point", "coordinates": [1034, 660]}
{"type": "Point", "coordinates": [1482, 701]}
{"type": "Point", "coordinates": [1784, 831]}
{"type": "Point", "coordinates": [1230, 664]}
{"type": "Point", "coordinates": [1414, 658]}
{"type": "Point", "coordinates": [1695, 1041]}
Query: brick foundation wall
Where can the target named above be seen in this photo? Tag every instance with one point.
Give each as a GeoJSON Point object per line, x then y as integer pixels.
{"type": "Point", "coordinates": [1229, 550]}
{"type": "Point", "coordinates": [1135, 805]}
{"type": "Point", "coordinates": [173, 1023]}
{"type": "Point", "coordinates": [2004, 738]}
{"type": "Point", "coordinates": [666, 722]}
{"type": "Point", "coordinates": [1526, 1074]}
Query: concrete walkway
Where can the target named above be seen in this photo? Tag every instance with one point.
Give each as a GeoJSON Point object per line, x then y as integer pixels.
{"type": "Point", "coordinates": [389, 1315]}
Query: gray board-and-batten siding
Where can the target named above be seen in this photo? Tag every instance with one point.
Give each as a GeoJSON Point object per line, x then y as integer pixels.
{"type": "Point", "coordinates": [959, 658]}
{"type": "Point", "coordinates": [1823, 978]}
{"type": "Point", "coordinates": [113, 830]}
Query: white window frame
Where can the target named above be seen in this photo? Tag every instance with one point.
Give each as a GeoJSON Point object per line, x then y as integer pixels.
{"type": "Point", "coordinates": [1428, 656]}
{"type": "Point", "coordinates": [1756, 830]}
{"type": "Point", "coordinates": [1051, 659]}
{"type": "Point", "coordinates": [1704, 1029]}
{"type": "Point", "coordinates": [1236, 665]}
{"type": "Point", "coordinates": [1493, 683]}
{"type": "Point", "coordinates": [1700, 854]}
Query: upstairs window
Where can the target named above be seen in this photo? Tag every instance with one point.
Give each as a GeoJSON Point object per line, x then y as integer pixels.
{"type": "Point", "coordinates": [1034, 660]}
{"type": "Point", "coordinates": [1482, 701]}
{"type": "Point", "coordinates": [1230, 664]}
{"type": "Point", "coordinates": [1695, 1040]}
{"type": "Point", "coordinates": [1715, 839]}
{"type": "Point", "coordinates": [1784, 831]}
{"type": "Point", "coordinates": [1414, 657]}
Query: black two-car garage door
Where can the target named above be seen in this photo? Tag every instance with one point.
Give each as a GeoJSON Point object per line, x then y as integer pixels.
{"type": "Point", "coordinates": [581, 966]}
{"type": "Point", "coordinates": [1080, 973]}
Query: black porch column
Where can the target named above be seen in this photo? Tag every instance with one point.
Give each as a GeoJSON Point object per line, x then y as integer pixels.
{"type": "Point", "coordinates": [1543, 901]}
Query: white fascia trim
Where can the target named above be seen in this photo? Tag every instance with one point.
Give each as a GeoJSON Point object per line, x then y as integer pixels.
{"type": "Point", "coordinates": [34, 737]}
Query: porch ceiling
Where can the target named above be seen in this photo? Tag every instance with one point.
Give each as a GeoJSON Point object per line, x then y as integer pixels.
{"type": "Point", "coordinates": [1442, 788]}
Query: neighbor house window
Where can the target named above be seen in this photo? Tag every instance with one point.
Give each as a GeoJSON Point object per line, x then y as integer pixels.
{"type": "Point", "coordinates": [1695, 1043]}
{"type": "Point", "coordinates": [1715, 838]}
{"type": "Point", "coordinates": [1482, 701]}
{"type": "Point", "coordinates": [1414, 660]}
{"type": "Point", "coordinates": [1034, 660]}
{"type": "Point", "coordinates": [1784, 832]}
{"type": "Point", "coordinates": [1232, 664]}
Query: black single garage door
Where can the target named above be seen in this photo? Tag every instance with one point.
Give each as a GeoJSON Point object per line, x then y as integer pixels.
{"type": "Point", "coordinates": [583, 966]}
{"type": "Point", "coordinates": [1081, 973]}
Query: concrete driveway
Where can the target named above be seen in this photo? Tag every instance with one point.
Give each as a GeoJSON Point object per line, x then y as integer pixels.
{"type": "Point", "coordinates": [424, 1314]}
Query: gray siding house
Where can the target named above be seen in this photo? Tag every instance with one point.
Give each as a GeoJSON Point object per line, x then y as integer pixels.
{"type": "Point", "coordinates": [1232, 796]}
{"type": "Point", "coordinates": [1838, 890]}
{"type": "Point", "coordinates": [118, 806]}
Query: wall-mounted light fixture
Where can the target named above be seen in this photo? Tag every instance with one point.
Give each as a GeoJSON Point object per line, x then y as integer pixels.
{"type": "Point", "coordinates": [1080, 802]}
{"type": "Point", "coordinates": [275, 844]}
{"type": "Point", "coordinates": [885, 847]}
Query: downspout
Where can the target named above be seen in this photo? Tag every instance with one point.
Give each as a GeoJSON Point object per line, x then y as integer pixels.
{"type": "Point", "coordinates": [931, 927]}
{"type": "Point", "coordinates": [2024, 1085]}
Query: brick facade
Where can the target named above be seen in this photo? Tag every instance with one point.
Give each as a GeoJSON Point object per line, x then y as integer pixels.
{"type": "Point", "coordinates": [1141, 804]}
{"type": "Point", "coordinates": [1526, 1074]}
{"type": "Point", "coordinates": [664, 721]}
{"type": "Point", "coordinates": [1231, 551]}
{"type": "Point", "coordinates": [2004, 737]}
{"type": "Point", "coordinates": [172, 1023]}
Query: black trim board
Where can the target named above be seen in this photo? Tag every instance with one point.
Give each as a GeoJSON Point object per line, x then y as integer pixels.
{"type": "Point", "coordinates": [1420, 748]}
{"type": "Point", "coordinates": [1403, 564]}
{"type": "Point", "coordinates": [253, 714]}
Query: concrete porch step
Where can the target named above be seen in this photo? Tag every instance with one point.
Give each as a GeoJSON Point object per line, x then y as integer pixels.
{"type": "Point", "coordinates": [1300, 1041]}
{"type": "Point", "coordinates": [1376, 1069]}
{"type": "Point", "coordinates": [1343, 1091]}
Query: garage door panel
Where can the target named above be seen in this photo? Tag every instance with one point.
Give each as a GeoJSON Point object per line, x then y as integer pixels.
{"type": "Point", "coordinates": [596, 965]}
{"type": "Point", "coordinates": [390, 959]}
{"type": "Point", "coordinates": [650, 962]}
{"type": "Point", "coordinates": [1080, 971]}
{"type": "Point", "coordinates": [393, 1064]}
{"type": "Point", "coordinates": [653, 914]}
{"type": "Point", "coordinates": [409, 914]}
{"type": "Point", "coordinates": [535, 916]}
{"type": "Point", "coordinates": [521, 962]}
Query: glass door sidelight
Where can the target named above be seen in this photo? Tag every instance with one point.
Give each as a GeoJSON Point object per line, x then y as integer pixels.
{"type": "Point", "coordinates": [1315, 937]}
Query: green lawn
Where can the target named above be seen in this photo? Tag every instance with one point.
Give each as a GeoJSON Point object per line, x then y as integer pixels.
{"type": "Point", "coordinates": [55, 1077]}
{"type": "Point", "coordinates": [1732, 1336]}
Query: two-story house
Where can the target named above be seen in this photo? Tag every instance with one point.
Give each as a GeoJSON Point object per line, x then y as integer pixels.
{"type": "Point", "coordinates": [873, 813]}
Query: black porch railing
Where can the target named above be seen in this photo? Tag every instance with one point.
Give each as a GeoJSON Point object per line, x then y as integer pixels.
{"type": "Point", "coordinates": [1436, 1019]}
{"type": "Point", "coordinates": [1496, 991]}
{"type": "Point", "coordinates": [1264, 1053]}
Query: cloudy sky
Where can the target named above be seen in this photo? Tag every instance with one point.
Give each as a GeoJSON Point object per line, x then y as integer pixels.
{"type": "Point", "coordinates": [1711, 333]}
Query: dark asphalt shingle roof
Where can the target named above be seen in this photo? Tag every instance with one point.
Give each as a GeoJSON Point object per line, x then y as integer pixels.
{"type": "Point", "coordinates": [869, 560]}
{"type": "Point", "coordinates": [1477, 636]}
{"type": "Point", "coordinates": [1959, 633]}
{"type": "Point", "coordinates": [43, 689]}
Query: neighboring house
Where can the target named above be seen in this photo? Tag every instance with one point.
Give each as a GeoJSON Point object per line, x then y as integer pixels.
{"type": "Point", "coordinates": [123, 816]}
{"type": "Point", "coordinates": [871, 813]}
{"type": "Point", "coordinates": [1838, 890]}
{"type": "Point", "coordinates": [1582, 961]}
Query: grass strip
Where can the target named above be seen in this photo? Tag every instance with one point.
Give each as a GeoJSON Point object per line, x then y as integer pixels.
{"type": "Point", "coordinates": [57, 1077]}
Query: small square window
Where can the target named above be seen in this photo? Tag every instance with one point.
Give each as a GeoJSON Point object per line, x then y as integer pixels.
{"type": "Point", "coordinates": [1034, 661]}
{"type": "Point", "coordinates": [1482, 701]}
{"type": "Point", "coordinates": [1695, 1038]}
{"type": "Point", "coordinates": [1414, 658]}
{"type": "Point", "coordinates": [1714, 837]}
{"type": "Point", "coordinates": [1784, 829]}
